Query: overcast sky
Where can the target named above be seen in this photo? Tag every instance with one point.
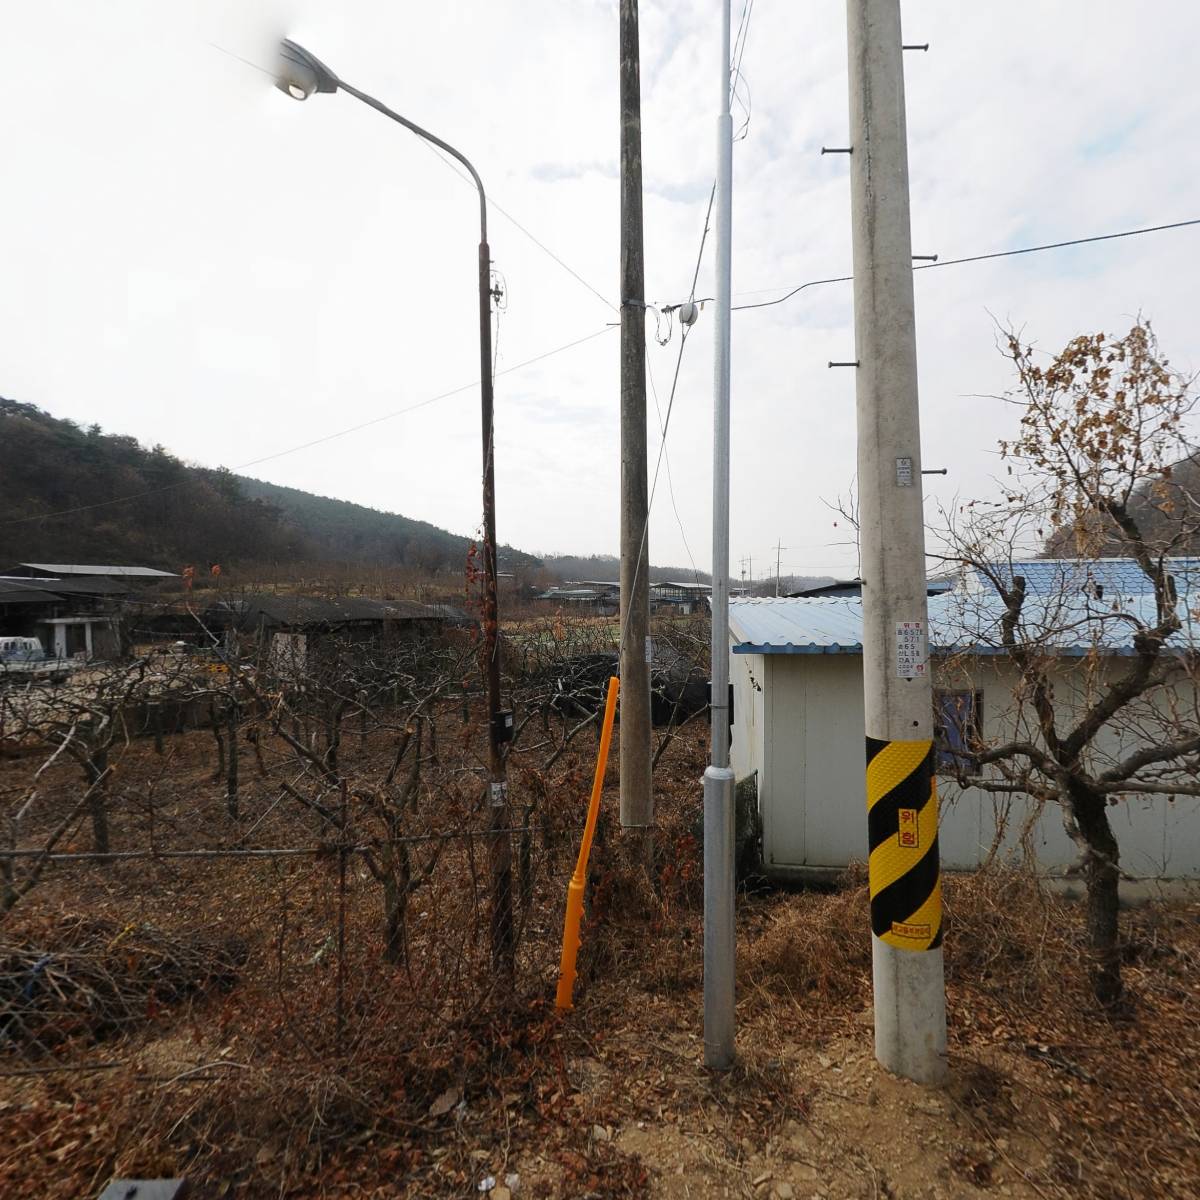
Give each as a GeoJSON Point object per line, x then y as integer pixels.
{"type": "Point", "coordinates": [188, 256]}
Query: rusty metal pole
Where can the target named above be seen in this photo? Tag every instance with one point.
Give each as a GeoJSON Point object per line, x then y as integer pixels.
{"type": "Point", "coordinates": [499, 840]}
{"type": "Point", "coordinates": [499, 723]}
{"type": "Point", "coordinates": [300, 74]}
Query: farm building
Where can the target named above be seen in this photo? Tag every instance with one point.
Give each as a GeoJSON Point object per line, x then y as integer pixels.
{"type": "Point", "coordinates": [293, 628]}
{"type": "Point", "coordinates": [599, 598]}
{"type": "Point", "coordinates": [683, 599]}
{"type": "Point", "coordinates": [88, 571]}
{"type": "Point", "coordinates": [75, 610]}
{"type": "Point", "coordinates": [799, 727]}
{"type": "Point", "coordinates": [604, 597]}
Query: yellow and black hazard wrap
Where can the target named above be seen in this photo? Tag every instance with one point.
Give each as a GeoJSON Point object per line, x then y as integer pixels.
{"type": "Point", "coordinates": [902, 823]}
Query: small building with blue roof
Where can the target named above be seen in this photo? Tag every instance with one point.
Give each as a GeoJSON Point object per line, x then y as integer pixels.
{"type": "Point", "coordinates": [798, 730]}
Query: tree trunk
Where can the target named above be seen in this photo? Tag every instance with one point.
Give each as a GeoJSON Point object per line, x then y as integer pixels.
{"type": "Point", "coordinates": [231, 776]}
{"type": "Point", "coordinates": [219, 773]}
{"type": "Point", "coordinates": [396, 882]}
{"type": "Point", "coordinates": [1102, 875]}
{"type": "Point", "coordinates": [98, 804]}
{"type": "Point", "coordinates": [8, 882]}
{"type": "Point", "coordinates": [254, 736]}
{"type": "Point", "coordinates": [525, 860]}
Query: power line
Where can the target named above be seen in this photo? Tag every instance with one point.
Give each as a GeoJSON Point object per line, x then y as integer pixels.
{"type": "Point", "coordinates": [735, 74]}
{"type": "Point", "coordinates": [492, 203]}
{"type": "Point", "coordinates": [971, 258]}
{"type": "Point", "coordinates": [735, 71]}
{"type": "Point", "coordinates": [329, 437]}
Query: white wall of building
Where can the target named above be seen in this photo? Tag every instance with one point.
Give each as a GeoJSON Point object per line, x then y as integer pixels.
{"type": "Point", "coordinates": [803, 734]}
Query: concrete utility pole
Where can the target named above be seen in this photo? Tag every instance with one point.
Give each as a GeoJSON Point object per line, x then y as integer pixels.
{"type": "Point", "coordinates": [719, 926]}
{"type": "Point", "coordinates": [637, 798]}
{"type": "Point", "coordinates": [778, 556]}
{"type": "Point", "coordinates": [905, 884]}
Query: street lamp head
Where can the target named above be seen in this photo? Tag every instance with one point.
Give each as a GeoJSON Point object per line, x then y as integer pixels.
{"type": "Point", "coordinates": [299, 73]}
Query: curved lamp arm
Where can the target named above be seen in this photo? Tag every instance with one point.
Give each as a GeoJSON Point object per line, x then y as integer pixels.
{"type": "Point", "coordinates": [301, 73]}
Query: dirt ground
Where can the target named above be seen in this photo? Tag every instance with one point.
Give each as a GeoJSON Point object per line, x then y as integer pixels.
{"type": "Point", "coordinates": [234, 1075]}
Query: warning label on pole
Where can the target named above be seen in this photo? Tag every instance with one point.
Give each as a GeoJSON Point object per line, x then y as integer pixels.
{"type": "Point", "coordinates": [912, 650]}
{"type": "Point", "coordinates": [903, 868]}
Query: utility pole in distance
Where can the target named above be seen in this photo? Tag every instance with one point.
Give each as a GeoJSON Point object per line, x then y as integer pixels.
{"type": "Point", "coordinates": [902, 806]}
{"type": "Point", "coordinates": [779, 548]}
{"type": "Point", "coordinates": [637, 799]}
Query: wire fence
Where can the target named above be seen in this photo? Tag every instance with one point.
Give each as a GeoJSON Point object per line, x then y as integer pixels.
{"type": "Point", "coordinates": [306, 877]}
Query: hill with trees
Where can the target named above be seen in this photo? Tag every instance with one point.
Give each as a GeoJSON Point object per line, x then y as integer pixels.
{"type": "Point", "coordinates": [340, 531]}
{"type": "Point", "coordinates": [70, 493]}
{"type": "Point", "coordinates": [607, 568]}
{"type": "Point", "coordinates": [74, 494]}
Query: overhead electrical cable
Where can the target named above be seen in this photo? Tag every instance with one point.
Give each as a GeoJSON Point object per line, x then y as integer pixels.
{"type": "Point", "coordinates": [328, 437]}
{"type": "Point", "coordinates": [665, 421]}
{"type": "Point", "coordinates": [972, 258]}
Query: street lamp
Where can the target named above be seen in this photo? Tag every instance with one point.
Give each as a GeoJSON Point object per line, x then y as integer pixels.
{"type": "Point", "coordinates": [299, 75]}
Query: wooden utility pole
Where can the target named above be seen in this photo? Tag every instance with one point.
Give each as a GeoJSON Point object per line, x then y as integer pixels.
{"type": "Point", "coordinates": [637, 799]}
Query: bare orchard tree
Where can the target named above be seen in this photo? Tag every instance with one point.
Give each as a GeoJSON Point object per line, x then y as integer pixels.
{"type": "Point", "coordinates": [368, 792]}
{"type": "Point", "coordinates": [91, 721]}
{"type": "Point", "coordinates": [1104, 703]}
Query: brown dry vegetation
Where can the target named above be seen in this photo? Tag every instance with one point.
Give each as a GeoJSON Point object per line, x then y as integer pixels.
{"type": "Point", "coordinates": [200, 999]}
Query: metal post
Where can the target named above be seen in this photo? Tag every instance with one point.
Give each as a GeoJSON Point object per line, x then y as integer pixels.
{"type": "Point", "coordinates": [499, 841]}
{"type": "Point", "coordinates": [637, 798]}
{"type": "Point", "coordinates": [300, 66]}
{"type": "Point", "coordinates": [719, 932]}
{"type": "Point", "coordinates": [910, 1001]}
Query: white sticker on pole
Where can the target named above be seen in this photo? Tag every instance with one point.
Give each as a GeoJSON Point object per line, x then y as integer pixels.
{"type": "Point", "coordinates": [649, 649]}
{"type": "Point", "coordinates": [904, 472]}
{"type": "Point", "coordinates": [912, 650]}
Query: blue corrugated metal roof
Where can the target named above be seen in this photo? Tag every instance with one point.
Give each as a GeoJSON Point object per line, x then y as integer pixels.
{"type": "Point", "coordinates": [962, 620]}
{"type": "Point", "coordinates": [1113, 576]}
{"type": "Point", "coordinates": [800, 625]}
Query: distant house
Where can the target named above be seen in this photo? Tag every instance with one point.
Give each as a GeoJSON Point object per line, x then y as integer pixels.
{"type": "Point", "coordinates": [682, 599]}
{"type": "Point", "coordinates": [292, 629]}
{"type": "Point", "coordinates": [585, 596]}
{"type": "Point", "coordinates": [796, 668]}
{"type": "Point", "coordinates": [604, 597]}
{"type": "Point", "coordinates": [853, 587]}
{"type": "Point", "coordinates": [74, 610]}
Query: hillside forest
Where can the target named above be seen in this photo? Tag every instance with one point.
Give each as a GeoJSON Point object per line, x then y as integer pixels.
{"type": "Point", "coordinates": [114, 500]}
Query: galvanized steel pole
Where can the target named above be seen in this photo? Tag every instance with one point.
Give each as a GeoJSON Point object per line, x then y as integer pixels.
{"type": "Point", "coordinates": [910, 1000]}
{"type": "Point", "coordinates": [719, 931]}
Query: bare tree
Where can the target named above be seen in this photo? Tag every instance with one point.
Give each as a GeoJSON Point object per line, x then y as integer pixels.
{"type": "Point", "coordinates": [1101, 427]}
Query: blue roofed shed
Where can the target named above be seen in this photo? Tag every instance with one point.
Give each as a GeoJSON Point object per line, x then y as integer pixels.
{"type": "Point", "coordinates": [797, 672]}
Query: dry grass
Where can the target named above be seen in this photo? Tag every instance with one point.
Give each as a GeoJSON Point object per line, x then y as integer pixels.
{"type": "Point", "coordinates": [439, 1079]}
